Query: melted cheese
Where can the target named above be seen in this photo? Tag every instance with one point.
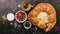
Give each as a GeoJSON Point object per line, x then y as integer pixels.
{"type": "Point", "coordinates": [43, 16]}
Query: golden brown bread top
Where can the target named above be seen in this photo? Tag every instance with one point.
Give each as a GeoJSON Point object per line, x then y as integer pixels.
{"type": "Point", "coordinates": [43, 7]}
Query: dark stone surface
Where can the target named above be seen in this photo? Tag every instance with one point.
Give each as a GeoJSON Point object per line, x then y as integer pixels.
{"type": "Point", "coordinates": [7, 6]}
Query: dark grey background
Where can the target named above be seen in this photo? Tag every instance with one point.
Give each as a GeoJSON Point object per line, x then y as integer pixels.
{"type": "Point", "coordinates": [7, 6]}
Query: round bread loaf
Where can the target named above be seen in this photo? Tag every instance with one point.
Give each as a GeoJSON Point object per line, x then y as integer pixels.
{"type": "Point", "coordinates": [43, 16]}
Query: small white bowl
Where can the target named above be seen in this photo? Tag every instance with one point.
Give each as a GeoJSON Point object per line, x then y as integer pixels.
{"type": "Point", "coordinates": [10, 16]}
{"type": "Point", "coordinates": [17, 19]}
{"type": "Point", "coordinates": [27, 27]}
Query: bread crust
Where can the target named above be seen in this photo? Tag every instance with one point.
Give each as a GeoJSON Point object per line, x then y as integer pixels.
{"type": "Point", "coordinates": [46, 7]}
